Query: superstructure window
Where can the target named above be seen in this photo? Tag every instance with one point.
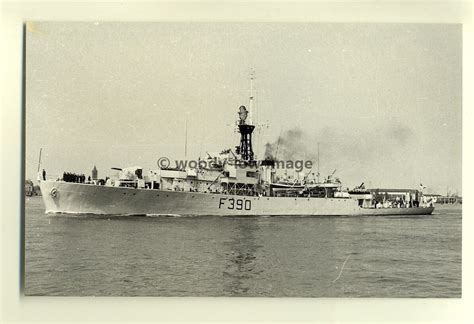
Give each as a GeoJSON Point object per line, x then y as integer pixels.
{"type": "Point", "coordinates": [251, 174]}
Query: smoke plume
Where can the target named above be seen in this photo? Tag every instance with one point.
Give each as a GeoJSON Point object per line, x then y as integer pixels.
{"type": "Point", "coordinates": [363, 154]}
{"type": "Point", "coordinates": [290, 145]}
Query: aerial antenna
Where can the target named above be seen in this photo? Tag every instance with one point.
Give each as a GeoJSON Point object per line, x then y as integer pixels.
{"type": "Point", "coordinates": [39, 160]}
{"type": "Point", "coordinates": [278, 143]}
{"type": "Point", "coordinates": [253, 111]}
{"type": "Point", "coordinates": [186, 140]}
{"type": "Point", "coordinates": [318, 162]}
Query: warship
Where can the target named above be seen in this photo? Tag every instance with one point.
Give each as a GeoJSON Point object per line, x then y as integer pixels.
{"type": "Point", "coordinates": [229, 183]}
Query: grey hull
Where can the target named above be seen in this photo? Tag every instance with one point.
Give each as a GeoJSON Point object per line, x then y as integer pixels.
{"type": "Point", "coordinates": [76, 198]}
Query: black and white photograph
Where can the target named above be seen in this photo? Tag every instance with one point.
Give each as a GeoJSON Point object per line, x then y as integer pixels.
{"type": "Point", "coordinates": [231, 159]}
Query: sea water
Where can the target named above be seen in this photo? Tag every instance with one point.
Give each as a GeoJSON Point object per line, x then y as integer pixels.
{"type": "Point", "coordinates": [375, 256]}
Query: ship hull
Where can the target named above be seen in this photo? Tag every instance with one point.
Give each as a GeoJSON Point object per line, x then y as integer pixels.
{"type": "Point", "coordinates": [77, 198]}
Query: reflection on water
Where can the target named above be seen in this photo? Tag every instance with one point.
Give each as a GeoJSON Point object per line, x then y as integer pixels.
{"type": "Point", "coordinates": [240, 269]}
{"type": "Point", "coordinates": [242, 256]}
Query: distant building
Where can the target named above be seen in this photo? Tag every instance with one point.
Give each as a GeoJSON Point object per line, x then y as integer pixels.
{"type": "Point", "coordinates": [439, 199]}
{"type": "Point", "coordinates": [31, 189]}
{"type": "Point", "coordinates": [449, 200]}
{"type": "Point", "coordinates": [94, 173]}
{"type": "Point", "coordinates": [433, 197]}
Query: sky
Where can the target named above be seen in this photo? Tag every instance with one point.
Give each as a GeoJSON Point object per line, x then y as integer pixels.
{"type": "Point", "coordinates": [384, 101]}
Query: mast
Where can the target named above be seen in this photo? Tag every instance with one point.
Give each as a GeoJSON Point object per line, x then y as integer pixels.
{"type": "Point", "coordinates": [246, 128]}
{"type": "Point", "coordinates": [252, 77]}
